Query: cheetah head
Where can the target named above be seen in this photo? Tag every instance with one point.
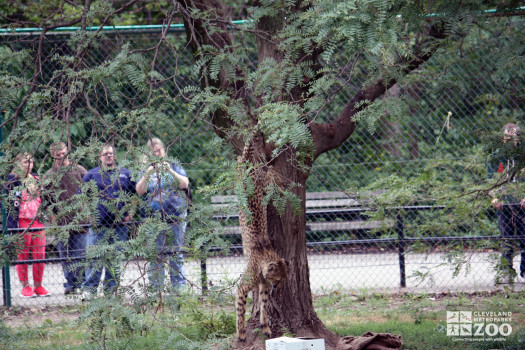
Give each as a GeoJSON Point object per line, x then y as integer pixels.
{"type": "Point", "coordinates": [276, 272]}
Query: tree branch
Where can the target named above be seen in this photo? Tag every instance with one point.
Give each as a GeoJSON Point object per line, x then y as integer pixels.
{"type": "Point", "coordinates": [327, 136]}
{"type": "Point", "coordinates": [198, 35]}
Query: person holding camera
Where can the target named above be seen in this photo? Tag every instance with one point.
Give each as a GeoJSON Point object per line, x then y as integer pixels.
{"type": "Point", "coordinates": [165, 185]}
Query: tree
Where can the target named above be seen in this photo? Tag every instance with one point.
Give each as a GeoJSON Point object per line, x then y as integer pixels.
{"type": "Point", "coordinates": [281, 104]}
{"type": "Point", "coordinates": [278, 104]}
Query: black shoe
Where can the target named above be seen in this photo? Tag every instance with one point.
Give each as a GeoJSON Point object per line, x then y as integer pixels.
{"type": "Point", "coordinates": [69, 290]}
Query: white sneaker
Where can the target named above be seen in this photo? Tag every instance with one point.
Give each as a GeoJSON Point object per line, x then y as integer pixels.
{"type": "Point", "coordinates": [85, 295]}
{"type": "Point", "coordinates": [521, 277]}
{"type": "Point", "coordinates": [504, 280]}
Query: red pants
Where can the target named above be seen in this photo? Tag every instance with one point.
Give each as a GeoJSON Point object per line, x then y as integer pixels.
{"type": "Point", "coordinates": [34, 242]}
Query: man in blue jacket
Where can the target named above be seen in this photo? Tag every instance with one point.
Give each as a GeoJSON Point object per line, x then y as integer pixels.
{"type": "Point", "coordinates": [109, 226]}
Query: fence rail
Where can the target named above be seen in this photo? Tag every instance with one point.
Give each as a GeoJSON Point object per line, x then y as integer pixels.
{"type": "Point", "coordinates": [399, 244]}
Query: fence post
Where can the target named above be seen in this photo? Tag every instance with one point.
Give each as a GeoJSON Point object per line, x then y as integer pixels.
{"type": "Point", "coordinates": [6, 278]}
{"type": "Point", "coordinates": [204, 273]}
{"type": "Point", "coordinates": [401, 249]}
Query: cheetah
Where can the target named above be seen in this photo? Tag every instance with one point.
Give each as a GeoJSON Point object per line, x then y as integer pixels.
{"type": "Point", "coordinates": [265, 270]}
{"type": "Point", "coordinates": [253, 230]}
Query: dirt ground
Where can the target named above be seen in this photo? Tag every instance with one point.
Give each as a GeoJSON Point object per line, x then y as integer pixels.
{"type": "Point", "coordinates": [33, 316]}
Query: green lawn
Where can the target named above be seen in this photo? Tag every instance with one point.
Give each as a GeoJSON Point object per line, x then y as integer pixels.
{"type": "Point", "coordinates": [420, 319]}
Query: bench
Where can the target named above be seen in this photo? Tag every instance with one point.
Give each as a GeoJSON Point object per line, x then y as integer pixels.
{"type": "Point", "coordinates": [325, 212]}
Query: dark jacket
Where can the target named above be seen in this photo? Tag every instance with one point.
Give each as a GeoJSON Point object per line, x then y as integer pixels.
{"type": "Point", "coordinates": [109, 184]}
{"type": "Point", "coordinates": [505, 167]}
{"type": "Point", "coordinates": [66, 181]}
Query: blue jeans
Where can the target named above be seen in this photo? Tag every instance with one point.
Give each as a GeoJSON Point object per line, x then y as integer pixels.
{"type": "Point", "coordinates": [169, 244]}
{"type": "Point", "coordinates": [94, 269]}
{"type": "Point", "coordinates": [74, 247]}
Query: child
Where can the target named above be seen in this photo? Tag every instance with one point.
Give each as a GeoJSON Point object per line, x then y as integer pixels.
{"type": "Point", "coordinates": [25, 215]}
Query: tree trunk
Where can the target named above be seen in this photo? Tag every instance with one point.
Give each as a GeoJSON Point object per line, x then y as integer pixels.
{"type": "Point", "coordinates": [290, 309]}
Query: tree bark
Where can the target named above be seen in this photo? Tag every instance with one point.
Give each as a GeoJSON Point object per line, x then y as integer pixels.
{"type": "Point", "coordinates": [290, 309]}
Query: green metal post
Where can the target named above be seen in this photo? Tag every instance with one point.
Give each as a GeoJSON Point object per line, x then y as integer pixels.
{"type": "Point", "coordinates": [6, 278]}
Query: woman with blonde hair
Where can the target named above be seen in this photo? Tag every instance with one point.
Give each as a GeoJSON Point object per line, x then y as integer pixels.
{"type": "Point", "coordinates": [165, 184]}
{"type": "Point", "coordinates": [25, 215]}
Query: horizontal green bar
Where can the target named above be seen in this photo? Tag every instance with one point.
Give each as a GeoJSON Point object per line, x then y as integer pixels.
{"type": "Point", "coordinates": [491, 11]}
{"type": "Point", "coordinates": [522, 8]}
{"type": "Point", "coordinates": [176, 27]}
{"type": "Point", "coordinates": [105, 28]}
{"type": "Point", "coordinates": [71, 29]}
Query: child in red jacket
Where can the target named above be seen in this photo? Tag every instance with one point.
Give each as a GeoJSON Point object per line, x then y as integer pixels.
{"type": "Point", "coordinates": [25, 215]}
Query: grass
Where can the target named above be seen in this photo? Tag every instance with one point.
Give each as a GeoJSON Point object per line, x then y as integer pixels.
{"type": "Point", "coordinates": [420, 319]}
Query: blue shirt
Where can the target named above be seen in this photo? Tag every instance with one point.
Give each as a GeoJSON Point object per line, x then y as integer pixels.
{"type": "Point", "coordinates": [110, 184]}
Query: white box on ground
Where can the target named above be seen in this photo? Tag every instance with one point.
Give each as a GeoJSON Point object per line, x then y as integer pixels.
{"type": "Point", "coordinates": [287, 343]}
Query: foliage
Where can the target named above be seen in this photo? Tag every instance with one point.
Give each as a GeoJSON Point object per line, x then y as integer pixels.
{"type": "Point", "coordinates": [205, 323]}
{"type": "Point", "coordinates": [109, 319]}
{"type": "Point", "coordinates": [89, 88]}
{"type": "Point", "coordinates": [113, 321]}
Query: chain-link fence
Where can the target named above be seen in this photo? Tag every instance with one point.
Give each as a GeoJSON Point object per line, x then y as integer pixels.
{"type": "Point", "coordinates": [352, 244]}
